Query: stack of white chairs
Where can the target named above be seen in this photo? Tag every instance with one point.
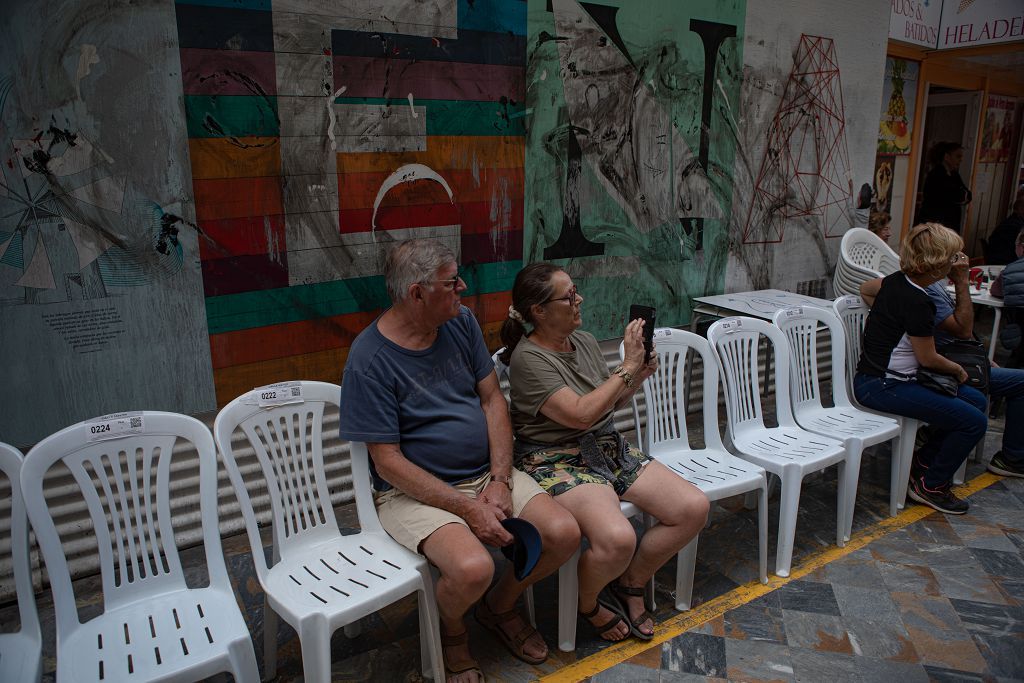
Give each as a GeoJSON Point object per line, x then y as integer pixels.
{"type": "Point", "coordinates": [320, 580]}
{"type": "Point", "coordinates": [853, 313]}
{"type": "Point", "coordinates": [713, 470]}
{"type": "Point", "coordinates": [153, 625]}
{"type": "Point", "coordinates": [20, 652]}
{"type": "Point", "coordinates": [788, 451]}
{"type": "Point", "coordinates": [863, 256]}
{"type": "Point", "coordinates": [856, 428]}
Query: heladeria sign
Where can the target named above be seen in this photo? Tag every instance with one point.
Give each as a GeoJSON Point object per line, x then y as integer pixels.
{"type": "Point", "coordinates": [956, 23]}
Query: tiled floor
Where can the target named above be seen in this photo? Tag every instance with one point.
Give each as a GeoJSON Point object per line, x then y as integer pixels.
{"type": "Point", "coordinates": [936, 599]}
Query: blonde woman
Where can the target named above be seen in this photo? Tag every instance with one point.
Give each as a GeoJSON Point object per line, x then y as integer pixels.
{"type": "Point", "coordinates": [899, 339]}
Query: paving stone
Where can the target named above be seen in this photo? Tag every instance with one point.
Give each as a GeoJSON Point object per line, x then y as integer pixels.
{"type": "Point", "coordinates": [990, 620]}
{"type": "Point", "coordinates": [695, 653]}
{"type": "Point", "coordinates": [752, 660]}
{"type": "Point", "coordinates": [977, 534]}
{"type": "Point", "coordinates": [806, 596]}
{"type": "Point", "coordinates": [995, 496]}
{"type": "Point", "coordinates": [881, 640]}
{"type": "Point", "coordinates": [822, 632]}
{"type": "Point", "coordinates": [896, 549]}
{"type": "Point", "coordinates": [1004, 654]}
{"type": "Point", "coordinates": [1002, 564]}
{"type": "Point", "coordinates": [860, 572]}
{"type": "Point", "coordinates": [754, 622]}
{"type": "Point", "coordinates": [871, 670]}
{"type": "Point", "coordinates": [1008, 517]}
{"type": "Point", "coordinates": [1012, 588]}
{"type": "Point", "coordinates": [628, 673]}
{"type": "Point", "coordinates": [909, 578]}
{"type": "Point", "coordinates": [933, 529]}
{"type": "Point", "coordinates": [968, 583]}
{"type": "Point", "coordinates": [866, 603]}
{"type": "Point", "coordinates": [815, 667]}
{"type": "Point", "coordinates": [938, 674]}
{"type": "Point", "coordinates": [937, 634]}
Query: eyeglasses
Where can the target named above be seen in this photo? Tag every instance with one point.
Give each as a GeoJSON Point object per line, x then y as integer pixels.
{"type": "Point", "coordinates": [451, 283]}
{"type": "Point", "coordinates": [569, 298]}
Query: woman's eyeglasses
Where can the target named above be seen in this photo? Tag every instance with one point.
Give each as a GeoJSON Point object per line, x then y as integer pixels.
{"type": "Point", "coordinates": [569, 298]}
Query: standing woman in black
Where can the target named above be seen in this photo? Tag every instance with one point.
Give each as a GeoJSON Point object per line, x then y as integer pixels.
{"type": "Point", "coordinates": [944, 190]}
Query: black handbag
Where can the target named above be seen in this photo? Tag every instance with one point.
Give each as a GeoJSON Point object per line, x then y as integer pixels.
{"type": "Point", "coordinates": [970, 354]}
{"type": "Point", "coordinates": [937, 381]}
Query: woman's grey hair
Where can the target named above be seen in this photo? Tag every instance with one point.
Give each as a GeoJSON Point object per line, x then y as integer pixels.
{"type": "Point", "coordinates": [414, 261]}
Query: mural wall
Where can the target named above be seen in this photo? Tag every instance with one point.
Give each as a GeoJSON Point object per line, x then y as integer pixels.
{"type": "Point", "coordinates": [198, 195]}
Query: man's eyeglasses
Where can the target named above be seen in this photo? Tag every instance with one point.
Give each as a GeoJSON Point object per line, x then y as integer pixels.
{"type": "Point", "coordinates": [450, 283]}
{"type": "Point", "coordinates": [569, 298]}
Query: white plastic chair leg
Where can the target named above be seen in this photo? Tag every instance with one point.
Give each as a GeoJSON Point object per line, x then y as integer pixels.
{"type": "Point", "coordinates": [907, 437]}
{"type": "Point", "coordinates": [854, 455]}
{"type": "Point", "coordinates": [243, 663]}
{"type": "Point", "coordinates": [431, 656]}
{"type": "Point", "coordinates": [315, 641]}
{"type": "Point", "coordinates": [568, 598]}
{"type": "Point", "coordinates": [894, 477]}
{"type": "Point", "coordinates": [686, 563]}
{"type": "Point", "coordinates": [961, 472]}
{"type": "Point", "coordinates": [762, 531]}
{"type": "Point", "coordinates": [269, 640]}
{"type": "Point", "coordinates": [791, 482]}
{"type": "Point", "coordinates": [843, 506]}
{"type": "Point", "coordinates": [531, 613]}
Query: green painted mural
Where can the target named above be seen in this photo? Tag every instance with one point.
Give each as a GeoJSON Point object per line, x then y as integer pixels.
{"type": "Point", "coordinates": [630, 150]}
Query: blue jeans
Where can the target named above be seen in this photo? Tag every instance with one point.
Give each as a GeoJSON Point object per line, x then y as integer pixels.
{"type": "Point", "coordinates": [1008, 383]}
{"type": "Point", "coordinates": [957, 423]}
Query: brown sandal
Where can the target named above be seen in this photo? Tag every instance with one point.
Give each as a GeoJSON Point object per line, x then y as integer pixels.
{"type": "Point", "coordinates": [608, 625]}
{"type": "Point", "coordinates": [463, 665]}
{"type": "Point", "coordinates": [493, 620]}
{"type": "Point", "coordinates": [619, 592]}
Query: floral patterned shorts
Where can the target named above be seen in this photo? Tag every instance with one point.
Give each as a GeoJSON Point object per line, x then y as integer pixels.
{"type": "Point", "coordinates": [560, 468]}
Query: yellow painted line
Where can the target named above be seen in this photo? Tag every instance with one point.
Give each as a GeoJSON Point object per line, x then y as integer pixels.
{"type": "Point", "coordinates": [685, 621]}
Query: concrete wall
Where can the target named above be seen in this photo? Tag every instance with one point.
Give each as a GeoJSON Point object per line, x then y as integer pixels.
{"type": "Point", "coordinates": [196, 196]}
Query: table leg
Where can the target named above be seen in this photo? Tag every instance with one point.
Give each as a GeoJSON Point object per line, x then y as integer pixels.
{"type": "Point", "coordinates": [995, 333]}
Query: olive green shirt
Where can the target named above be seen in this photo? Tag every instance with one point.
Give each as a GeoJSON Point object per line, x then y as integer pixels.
{"type": "Point", "coordinates": [536, 373]}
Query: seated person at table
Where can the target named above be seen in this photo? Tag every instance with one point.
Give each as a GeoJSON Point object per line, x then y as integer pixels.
{"type": "Point", "coordinates": [1001, 247]}
{"type": "Point", "coordinates": [420, 390]}
{"type": "Point", "coordinates": [898, 339]}
{"type": "Point", "coordinates": [563, 399]}
{"type": "Point", "coordinates": [954, 318]}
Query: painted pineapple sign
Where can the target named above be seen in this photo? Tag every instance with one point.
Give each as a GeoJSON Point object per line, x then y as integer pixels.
{"type": "Point", "coordinates": [894, 127]}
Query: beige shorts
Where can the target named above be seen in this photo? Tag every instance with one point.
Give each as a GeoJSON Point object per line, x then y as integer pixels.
{"type": "Point", "coordinates": [410, 522]}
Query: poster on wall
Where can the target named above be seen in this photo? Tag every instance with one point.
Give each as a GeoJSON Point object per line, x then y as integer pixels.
{"type": "Point", "coordinates": [631, 141]}
{"type": "Point", "coordinates": [899, 93]}
{"type": "Point", "coordinates": [882, 189]}
{"type": "Point", "coordinates": [100, 292]}
{"type": "Point", "coordinates": [997, 133]}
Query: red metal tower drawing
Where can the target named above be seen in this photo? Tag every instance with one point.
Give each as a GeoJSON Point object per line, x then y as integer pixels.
{"type": "Point", "coordinates": [806, 166]}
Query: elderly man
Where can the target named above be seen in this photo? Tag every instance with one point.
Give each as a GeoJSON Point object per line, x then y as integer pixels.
{"type": "Point", "coordinates": [420, 390]}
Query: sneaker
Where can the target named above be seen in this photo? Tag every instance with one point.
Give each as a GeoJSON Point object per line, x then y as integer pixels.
{"type": "Point", "coordinates": [942, 498]}
{"type": "Point", "coordinates": [999, 465]}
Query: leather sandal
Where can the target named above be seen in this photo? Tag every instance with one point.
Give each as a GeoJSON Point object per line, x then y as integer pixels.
{"type": "Point", "coordinates": [601, 629]}
{"type": "Point", "coordinates": [463, 665]}
{"type": "Point", "coordinates": [515, 644]}
{"type": "Point", "coordinates": [619, 593]}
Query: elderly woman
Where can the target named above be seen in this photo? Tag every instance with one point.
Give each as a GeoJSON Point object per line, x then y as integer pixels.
{"type": "Point", "coordinates": [898, 340]}
{"type": "Point", "coordinates": [880, 223]}
{"type": "Point", "coordinates": [562, 399]}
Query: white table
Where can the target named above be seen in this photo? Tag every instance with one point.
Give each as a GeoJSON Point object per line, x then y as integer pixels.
{"type": "Point", "coordinates": [761, 303]}
{"type": "Point", "coordinates": [983, 298]}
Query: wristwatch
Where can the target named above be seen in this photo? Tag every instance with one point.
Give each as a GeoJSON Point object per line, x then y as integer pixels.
{"type": "Point", "coordinates": [505, 479]}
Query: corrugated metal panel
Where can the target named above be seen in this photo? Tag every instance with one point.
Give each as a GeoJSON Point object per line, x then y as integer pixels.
{"type": "Point", "coordinates": [72, 518]}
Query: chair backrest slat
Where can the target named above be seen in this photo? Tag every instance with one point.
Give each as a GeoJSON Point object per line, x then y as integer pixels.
{"type": "Point", "coordinates": [853, 314]}
{"type": "Point", "coordinates": [800, 325]}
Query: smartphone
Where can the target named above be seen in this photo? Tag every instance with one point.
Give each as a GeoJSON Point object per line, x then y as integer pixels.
{"type": "Point", "coordinates": [648, 314]}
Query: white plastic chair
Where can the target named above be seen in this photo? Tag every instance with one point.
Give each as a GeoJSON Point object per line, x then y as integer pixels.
{"type": "Point", "coordinates": [787, 450]}
{"type": "Point", "coordinates": [856, 428]}
{"type": "Point", "coordinates": [853, 313]}
{"type": "Point", "coordinates": [20, 652]}
{"type": "Point", "coordinates": [153, 626]}
{"type": "Point", "coordinates": [863, 255]}
{"type": "Point", "coordinates": [323, 580]}
{"type": "Point", "coordinates": [713, 470]}
{"type": "Point", "coordinates": [568, 573]}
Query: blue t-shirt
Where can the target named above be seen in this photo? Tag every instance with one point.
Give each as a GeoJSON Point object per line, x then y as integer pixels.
{"type": "Point", "coordinates": [944, 307]}
{"type": "Point", "coordinates": [425, 400]}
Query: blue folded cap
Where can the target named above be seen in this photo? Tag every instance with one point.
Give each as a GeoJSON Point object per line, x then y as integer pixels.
{"type": "Point", "coordinates": [525, 548]}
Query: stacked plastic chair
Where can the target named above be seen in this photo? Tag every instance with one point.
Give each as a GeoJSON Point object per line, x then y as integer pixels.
{"type": "Point", "coordinates": [863, 256]}
{"type": "Point", "coordinates": [20, 652]}
{"type": "Point", "coordinates": [713, 470]}
{"type": "Point", "coordinates": [320, 580]}
{"type": "Point", "coordinates": [153, 627]}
